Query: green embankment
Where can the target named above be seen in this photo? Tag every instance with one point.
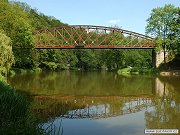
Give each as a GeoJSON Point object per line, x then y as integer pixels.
{"type": "Point", "coordinates": [136, 71]}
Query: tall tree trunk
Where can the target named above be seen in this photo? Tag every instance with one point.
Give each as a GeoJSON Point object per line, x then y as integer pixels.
{"type": "Point", "coordinates": [164, 48]}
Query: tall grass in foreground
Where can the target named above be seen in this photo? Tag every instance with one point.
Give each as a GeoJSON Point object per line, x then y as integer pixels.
{"type": "Point", "coordinates": [15, 116]}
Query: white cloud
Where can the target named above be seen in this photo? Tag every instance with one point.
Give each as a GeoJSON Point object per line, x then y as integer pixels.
{"type": "Point", "coordinates": [114, 21]}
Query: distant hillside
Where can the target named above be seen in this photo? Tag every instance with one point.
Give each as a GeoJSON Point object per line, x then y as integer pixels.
{"type": "Point", "coordinates": [39, 20]}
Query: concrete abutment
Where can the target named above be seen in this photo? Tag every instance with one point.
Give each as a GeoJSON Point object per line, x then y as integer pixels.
{"type": "Point", "coordinates": [157, 58]}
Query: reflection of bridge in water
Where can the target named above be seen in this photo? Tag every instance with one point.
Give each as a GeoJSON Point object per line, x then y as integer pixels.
{"type": "Point", "coordinates": [90, 107]}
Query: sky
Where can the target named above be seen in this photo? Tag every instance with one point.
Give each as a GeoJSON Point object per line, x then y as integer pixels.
{"type": "Point", "coordinates": [126, 14]}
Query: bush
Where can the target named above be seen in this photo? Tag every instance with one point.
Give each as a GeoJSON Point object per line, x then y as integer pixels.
{"type": "Point", "coordinates": [37, 70]}
{"type": "Point", "coordinates": [49, 65]}
{"type": "Point", "coordinates": [12, 73]}
{"type": "Point", "coordinates": [20, 70]}
{"type": "Point", "coordinates": [124, 70]}
{"type": "Point", "coordinates": [136, 70]}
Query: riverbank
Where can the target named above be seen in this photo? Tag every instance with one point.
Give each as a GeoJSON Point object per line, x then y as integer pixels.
{"type": "Point", "coordinates": [170, 73]}
{"type": "Point", "coordinates": [137, 71]}
{"type": "Point", "coordinates": [172, 68]}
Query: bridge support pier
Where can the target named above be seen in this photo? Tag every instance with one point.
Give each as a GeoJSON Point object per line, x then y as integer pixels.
{"type": "Point", "coordinates": [157, 58]}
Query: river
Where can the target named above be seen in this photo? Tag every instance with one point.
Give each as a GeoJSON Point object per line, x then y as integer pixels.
{"type": "Point", "coordinates": [102, 103]}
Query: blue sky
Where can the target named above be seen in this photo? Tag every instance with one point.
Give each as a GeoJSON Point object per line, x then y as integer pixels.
{"type": "Point", "coordinates": [127, 14]}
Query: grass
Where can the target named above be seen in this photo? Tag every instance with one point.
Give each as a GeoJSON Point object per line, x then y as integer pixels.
{"type": "Point", "coordinates": [137, 70]}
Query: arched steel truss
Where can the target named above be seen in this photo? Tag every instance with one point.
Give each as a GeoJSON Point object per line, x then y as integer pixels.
{"type": "Point", "coordinates": [88, 36]}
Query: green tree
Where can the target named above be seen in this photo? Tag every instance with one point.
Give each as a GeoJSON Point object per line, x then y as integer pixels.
{"type": "Point", "coordinates": [15, 23]}
{"type": "Point", "coordinates": [6, 54]}
{"type": "Point", "coordinates": [86, 59]}
{"type": "Point", "coordinates": [138, 58]}
{"type": "Point", "coordinates": [160, 25]}
{"type": "Point", "coordinates": [22, 45]}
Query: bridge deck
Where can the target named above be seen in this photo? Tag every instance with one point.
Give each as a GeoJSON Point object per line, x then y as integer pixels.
{"type": "Point", "coordinates": [94, 47]}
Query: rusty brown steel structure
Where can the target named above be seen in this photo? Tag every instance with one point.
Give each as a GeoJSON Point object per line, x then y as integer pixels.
{"type": "Point", "coordinates": [91, 37]}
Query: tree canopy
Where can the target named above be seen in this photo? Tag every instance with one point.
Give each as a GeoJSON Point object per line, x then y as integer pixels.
{"type": "Point", "coordinates": [163, 24]}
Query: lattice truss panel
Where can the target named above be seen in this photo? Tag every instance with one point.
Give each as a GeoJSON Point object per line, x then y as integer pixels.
{"type": "Point", "coordinates": [85, 36]}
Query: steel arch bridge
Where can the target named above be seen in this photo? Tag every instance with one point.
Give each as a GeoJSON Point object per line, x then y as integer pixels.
{"type": "Point", "coordinates": [91, 37]}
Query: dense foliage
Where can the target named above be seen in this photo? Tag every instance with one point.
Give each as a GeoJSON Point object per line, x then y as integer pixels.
{"type": "Point", "coordinates": [16, 25]}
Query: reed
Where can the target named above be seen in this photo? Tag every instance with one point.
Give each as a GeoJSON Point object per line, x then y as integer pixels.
{"type": "Point", "coordinates": [53, 128]}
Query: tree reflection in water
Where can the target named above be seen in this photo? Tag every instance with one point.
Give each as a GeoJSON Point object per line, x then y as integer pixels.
{"type": "Point", "coordinates": [166, 111]}
{"type": "Point", "coordinates": [100, 96]}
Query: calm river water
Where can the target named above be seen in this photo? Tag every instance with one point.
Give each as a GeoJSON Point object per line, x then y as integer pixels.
{"type": "Point", "coordinates": [102, 103]}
